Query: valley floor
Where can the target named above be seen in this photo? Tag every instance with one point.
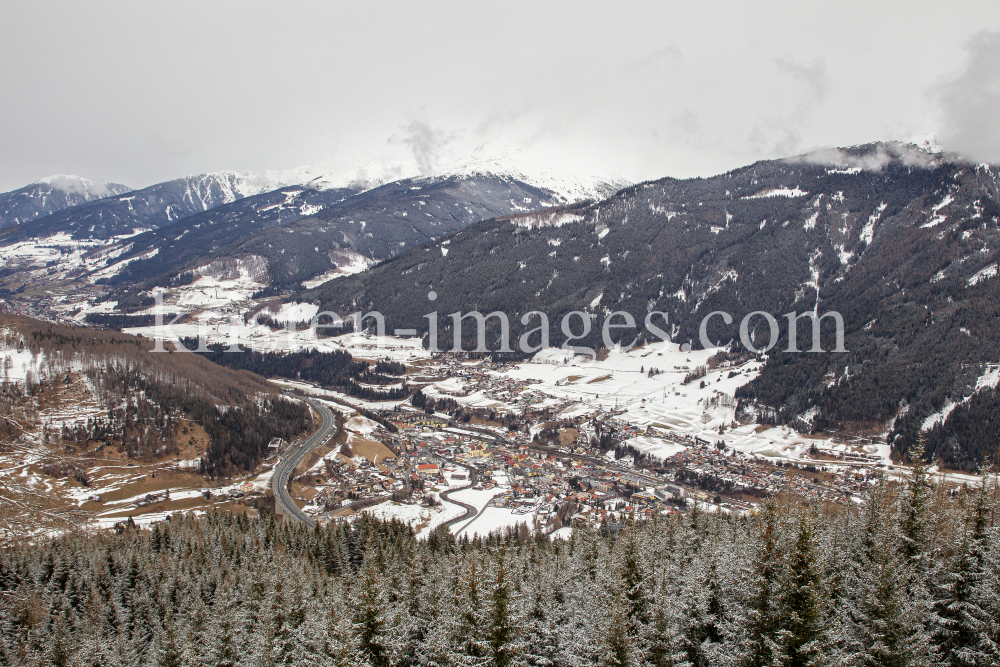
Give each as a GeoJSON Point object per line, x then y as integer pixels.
{"type": "Point", "coordinates": [689, 428]}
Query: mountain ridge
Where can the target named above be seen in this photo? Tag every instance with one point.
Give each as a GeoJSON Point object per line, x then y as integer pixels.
{"type": "Point", "coordinates": [375, 223]}
{"type": "Point", "coordinates": [50, 195]}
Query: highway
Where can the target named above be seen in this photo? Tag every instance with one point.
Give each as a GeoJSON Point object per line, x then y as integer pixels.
{"type": "Point", "coordinates": [292, 457]}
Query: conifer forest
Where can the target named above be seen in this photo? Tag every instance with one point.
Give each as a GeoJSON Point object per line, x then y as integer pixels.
{"type": "Point", "coordinates": [909, 577]}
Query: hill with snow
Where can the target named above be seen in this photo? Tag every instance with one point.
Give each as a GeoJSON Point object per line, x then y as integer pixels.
{"type": "Point", "coordinates": [565, 183]}
{"type": "Point", "coordinates": [568, 185]}
{"type": "Point", "coordinates": [85, 210]}
{"type": "Point", "coordinates": [903, 242]}
{"type": "Point", "coordinates": [52, 194]}
{"type": "Point", "coordinates": [303, 233]}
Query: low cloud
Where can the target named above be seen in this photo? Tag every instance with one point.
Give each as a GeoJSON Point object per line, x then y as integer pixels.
{"type": "Point", "coordinates": [426, 142]}
{"type": "Point", "coordinates": [970, 102]}
{"type": "Point", "coordinates": [782, 134]}
{"type": "Point", "coordinates": [376, 174]}
{"type": "Point", "coordinates": [500, 117]}
{"type": "Point", "coordinates": [78, 186]}
{"type": "Point", "coordinates": [873, 160]}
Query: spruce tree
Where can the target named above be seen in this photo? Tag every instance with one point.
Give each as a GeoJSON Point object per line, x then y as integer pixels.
{"type": "Point", "coordinates": [166, 652]}
{"type": "Point", "coordinates": [804, 609]}
{"type": "Point", "coordinates": [466, 618]}
{"type": "Point", "coordinates": [616, 641]}
{"type": "Point", "coordinates": [754, 627]}
{"type": "Point", "coordinates": [695, 620]}
{"type": "Point", "coordinates": [884, 624]}
{"type": "Point", "coordinates": [58, 652]}
{"type": "Point", "coordinates": [544, 593]}
{"type": "Point", "coordinates": [914, 526]}
{"type": "Point", "coordinates": [223, 647]}
{"type": "Point", "coordinates": [987, 596]}
{"type": "Point", "coordinates": [341, 647]}
{"type": "Point", "coordinates": [631, 565]}
{"type": "Point", "coordinates": [959, 622]}
{"type": "Point", "coordinates": [664, 641]}
{"type": "Point", "coordinates": [380, 635]}
{"type": "Point", "coordinates": [503, 641]}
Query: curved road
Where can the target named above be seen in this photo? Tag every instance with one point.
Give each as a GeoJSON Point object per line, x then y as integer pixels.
{"type": "Point", "coordinates": [292, 457]}
{"type": "Point", "coordinates": [470, 511]}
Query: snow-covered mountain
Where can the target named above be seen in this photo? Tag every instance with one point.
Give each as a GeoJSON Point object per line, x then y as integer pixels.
{"type": "Point", "coordinates": [148, 208]}
{"type": "Point", "coordinates": [84, 210]}
{"type": "Point", "coordinates": [51, 194]}
{"type": "Point", "coordinates": [566, 182]}
{"type": "Point", "coordinates": [300, 232]}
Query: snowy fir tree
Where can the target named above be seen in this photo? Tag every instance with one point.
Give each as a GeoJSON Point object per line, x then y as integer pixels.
{"type": "Point", "coordinates": [909, 577]}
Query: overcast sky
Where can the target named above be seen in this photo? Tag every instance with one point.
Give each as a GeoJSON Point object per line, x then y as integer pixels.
{"type": "Point", "coordinates": [141, 92]}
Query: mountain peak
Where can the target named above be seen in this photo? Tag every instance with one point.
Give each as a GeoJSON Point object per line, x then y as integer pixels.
{"type": "Point", "coordinates": [78, 185]}
{"type": "Point", "coordinates": [489, 159]}
{"type": "Point", "coordinates": [52, 194]}
{"type": "Point", "coordinates": [566, 182]}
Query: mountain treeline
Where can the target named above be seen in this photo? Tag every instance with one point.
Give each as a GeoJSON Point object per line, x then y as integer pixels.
{"type": "Point", "coordinates": [911, 577]}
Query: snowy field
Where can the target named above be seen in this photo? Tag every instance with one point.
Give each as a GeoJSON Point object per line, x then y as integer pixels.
{"type": "Point", "coordinates": [355, 263]}
{"type": "Point", "coordinates": [493, 519]}
{"type": "Point", "coordinates": [622, 382]}
{"type": "Point", "coordinates": [228, 328]}
{"type": "Point", "coordinates": [487, 520]}
{"type": "Point", "coordinates": [661, 403]}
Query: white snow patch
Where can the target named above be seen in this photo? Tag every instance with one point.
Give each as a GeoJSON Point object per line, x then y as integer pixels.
{"type": "Point", "coordinates": [296, 312]}
{"type": "Point", "coordinates": [939, 417]}
{"type": "Point", "coordinates": [656, 447]}
{"type": "Point", "coordinates": [546, 219]}
{"type": "Point", "coordinates": [937, 218]}
{"type": "Point", "coordinates": [990, 378]}
{"type": "Point", "coordinates": [869, 230]}
{"type": "Point", "coordinates": [778, 192]}
{"type": "Point", "coordinates": [983, 274]}
{"type": "Point", "coordinates": [348, 263]}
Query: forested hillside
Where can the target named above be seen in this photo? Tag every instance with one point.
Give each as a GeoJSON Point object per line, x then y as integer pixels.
{"type": "Point", "coordinates": [903, 243]}
{"type": "Point", "coordinates": [143, 393]}
{"type": "Point", "coordinates": [332, 370]}
{"type": "Point", "coordinates": [911, 577]}
{"type": "Point", "coordinates": [295, 234]}
{"type": "Point", "coordinates": [385, 221]}
{"type": "Point", "coordinates": [187, 242]}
